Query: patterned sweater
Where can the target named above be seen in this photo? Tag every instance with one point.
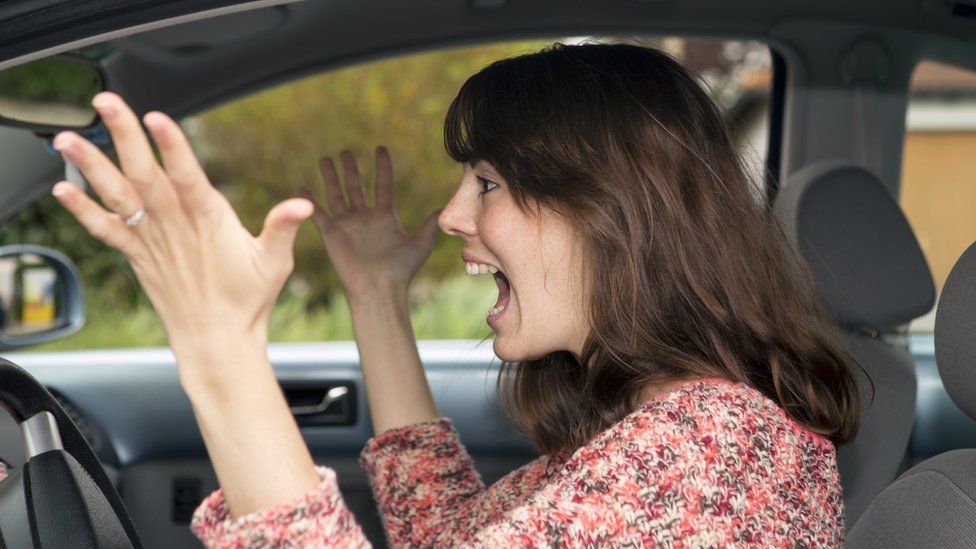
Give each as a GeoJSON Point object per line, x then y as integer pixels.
{"type": "Point", "coordinates": [708, 463]}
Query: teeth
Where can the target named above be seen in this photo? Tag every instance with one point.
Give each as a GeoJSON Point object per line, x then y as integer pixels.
{"type": "Point", "coordinates": [496, 310]}
{"type": "Point", "coordinates": [479, 268]}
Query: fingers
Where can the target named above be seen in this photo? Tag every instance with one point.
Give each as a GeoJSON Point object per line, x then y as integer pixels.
{"type": "Point", "coordinates": [354, 183]}
{"type": "Point", "coordinates": [319, 216]}
{"type": "Point", "coordinates": [105, 226]}
{"type": "Point", "coordinates": [429, 230]}
{"type": "Point", "coordinates": [384, 178]}
{"type": "Point", "coordinates": [337, 202]}
{"type": "Point", "coordinates": [112, 187]}
{"type": "Point", "coordinates": [131, 144]}
{"type": "Point", "coordinates": [187, 177]}
{"type": "Point", "coordinates": [135, 154]}
{"type": "Point", "coordinates": [281, 226]}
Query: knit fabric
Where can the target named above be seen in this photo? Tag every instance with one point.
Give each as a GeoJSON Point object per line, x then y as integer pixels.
{"type": "Point", "coordinates": [709, 463]}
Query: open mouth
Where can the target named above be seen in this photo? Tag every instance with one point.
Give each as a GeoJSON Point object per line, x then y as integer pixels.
{"type": "Point", "coordinates": [504, 287]}
{"type": "Point", "coordinates": [504, 292]}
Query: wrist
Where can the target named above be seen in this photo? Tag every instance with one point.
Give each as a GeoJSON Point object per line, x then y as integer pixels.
{"type": "Point", "coordinates": [211, 366]}
{"type": "Point", "coordinates": [378, 296]}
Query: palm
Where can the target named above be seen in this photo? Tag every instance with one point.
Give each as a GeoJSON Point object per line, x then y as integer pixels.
{"type": "Point", "coordinates": [367, 245]}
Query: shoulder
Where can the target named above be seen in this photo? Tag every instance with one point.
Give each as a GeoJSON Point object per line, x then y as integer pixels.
{"type": "Point", "coordinates": [707, 412]}
{"type": "Point", "coordinates": [727, 455]}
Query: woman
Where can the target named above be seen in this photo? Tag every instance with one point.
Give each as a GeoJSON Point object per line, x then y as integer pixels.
{"type": "Point", "coordinates": [662, 349]}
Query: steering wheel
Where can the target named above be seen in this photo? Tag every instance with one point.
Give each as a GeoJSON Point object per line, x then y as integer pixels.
{"type": "Point", "coordinates": [61, 497]}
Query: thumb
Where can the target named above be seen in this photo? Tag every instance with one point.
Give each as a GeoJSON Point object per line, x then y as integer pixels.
{"type": "Point", "coordinates": [281, 225]}
{"type": "Point", "coordinates": [428, 231]}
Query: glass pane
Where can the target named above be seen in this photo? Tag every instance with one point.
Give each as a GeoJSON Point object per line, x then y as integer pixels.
{"type": "Point", "coordinates": [259, 149]}
{"type": "Point", "coordinates": [938, 185]}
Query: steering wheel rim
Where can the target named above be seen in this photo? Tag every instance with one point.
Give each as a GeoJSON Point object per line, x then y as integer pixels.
{"type": "Point", "coordinates": [61, 465]}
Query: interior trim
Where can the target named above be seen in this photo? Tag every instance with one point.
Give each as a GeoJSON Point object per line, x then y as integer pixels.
{"type": "Point", "coordinates": [119, 33]}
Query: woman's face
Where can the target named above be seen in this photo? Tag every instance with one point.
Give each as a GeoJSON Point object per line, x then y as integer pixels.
{"type": "Point", "coordinates": [541, 303]}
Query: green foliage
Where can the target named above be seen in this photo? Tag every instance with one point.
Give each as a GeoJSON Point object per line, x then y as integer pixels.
{"type": "Point", "coordinates": [261, 149]}
{"type": "Point", "coordinates": [451, 309]}
{"type": "Point", "coordinates": [258, 151]}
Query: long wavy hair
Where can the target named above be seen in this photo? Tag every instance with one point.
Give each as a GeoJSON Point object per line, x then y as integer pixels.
{"type": "Point", "coordinates": [688, 272]}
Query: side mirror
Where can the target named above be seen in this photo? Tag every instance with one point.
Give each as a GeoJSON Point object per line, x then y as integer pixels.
{"type": "Point", "coordinates": [40, 296]}
{"type": "Point", "coordinates": [50, 94]}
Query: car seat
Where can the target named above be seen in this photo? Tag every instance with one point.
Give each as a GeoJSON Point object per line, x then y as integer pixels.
{"type": "Point", "coordinates": [872, 277]}
{"type": "Point", "coordinates": [934, 503]}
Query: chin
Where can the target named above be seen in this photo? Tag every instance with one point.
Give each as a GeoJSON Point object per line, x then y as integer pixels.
{"type": "Point", "coordinates": [503, 352]}
{"type": "Point", "coordinates": [509, 351]}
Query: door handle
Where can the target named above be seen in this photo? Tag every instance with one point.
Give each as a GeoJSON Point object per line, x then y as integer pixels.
{"type": "Point", "coordinates": [332, 395]}
{"type": "Point", "coordinates": [321, 403]}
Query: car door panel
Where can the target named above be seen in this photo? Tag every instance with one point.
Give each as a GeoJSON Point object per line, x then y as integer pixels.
{"type": "Point", "coordinates": [133, 399]}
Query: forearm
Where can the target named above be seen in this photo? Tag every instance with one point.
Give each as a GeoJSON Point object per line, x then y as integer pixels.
{"type": "Point", "coordinates": [253, 441]}
{"type": "Point", "coordinates": [396, 385]}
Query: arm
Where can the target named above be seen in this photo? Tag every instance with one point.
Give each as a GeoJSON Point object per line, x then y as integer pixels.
{"type": "Point", "coordinates": [415, 451]}
{"type": "Point", "coordinates": [213, 285]}
{"type": "Point", "coordinates": [375, 261]}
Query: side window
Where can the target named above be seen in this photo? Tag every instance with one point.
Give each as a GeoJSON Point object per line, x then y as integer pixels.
{"type": "Point", "coordinates": [260, 149]}
{"type": "Point", "coordinates": [938, 184]}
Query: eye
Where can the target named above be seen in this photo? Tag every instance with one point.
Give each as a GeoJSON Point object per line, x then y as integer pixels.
{"type": "Point", "coordinates": [487, 185]}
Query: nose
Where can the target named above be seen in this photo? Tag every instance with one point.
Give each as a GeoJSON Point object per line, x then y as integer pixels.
{"type": "Point", "coordinates": [457, 217]}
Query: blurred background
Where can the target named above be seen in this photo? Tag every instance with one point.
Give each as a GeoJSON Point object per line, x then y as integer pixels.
{"type": "Point", "coordinates": [261, 148]}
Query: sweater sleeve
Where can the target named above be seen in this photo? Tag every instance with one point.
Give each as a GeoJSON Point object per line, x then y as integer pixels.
{"type": "Point", "coordinates": [319, 518]}
{"type": "Point", "coordinates": [423, 480]}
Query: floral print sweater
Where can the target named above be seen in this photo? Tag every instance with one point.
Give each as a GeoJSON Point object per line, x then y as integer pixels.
{"type": "Point", "coordinates": [708, 463]}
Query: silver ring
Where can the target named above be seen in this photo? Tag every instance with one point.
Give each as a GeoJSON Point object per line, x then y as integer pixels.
{"type": "Point", "coordinates": [135, 218]}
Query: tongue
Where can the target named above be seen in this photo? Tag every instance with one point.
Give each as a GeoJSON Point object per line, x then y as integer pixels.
{"type": "Point", "coordinates": [503, 290]}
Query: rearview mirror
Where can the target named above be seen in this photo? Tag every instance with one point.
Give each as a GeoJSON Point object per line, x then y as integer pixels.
{"type": "Point", "coordinates": [40, 296]}
{"type": "Point", "coordinates": [51, 94]}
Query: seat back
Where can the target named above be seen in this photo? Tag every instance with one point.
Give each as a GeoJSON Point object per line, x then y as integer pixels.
{"type": "Point", "coordinates": [934, 503]}
{"type": "Point", "coordinates": [872, 277]}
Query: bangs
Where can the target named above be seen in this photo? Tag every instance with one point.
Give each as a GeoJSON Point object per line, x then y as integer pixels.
{"type": "Point", "coordinates": [494, 112]}
{"type": "Point", "coordinates": [459, 140]}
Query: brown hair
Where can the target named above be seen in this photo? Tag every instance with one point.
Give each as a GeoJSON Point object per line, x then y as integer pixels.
{"type": "Point", "coordinates": [689, 274]}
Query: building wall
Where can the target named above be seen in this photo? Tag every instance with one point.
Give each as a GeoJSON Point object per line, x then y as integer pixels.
{"type": "Point", "coordinates": [938, 195]}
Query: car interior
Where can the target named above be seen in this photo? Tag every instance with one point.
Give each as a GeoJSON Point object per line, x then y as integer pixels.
{"type": "Point", "coordinates": [836, 138]}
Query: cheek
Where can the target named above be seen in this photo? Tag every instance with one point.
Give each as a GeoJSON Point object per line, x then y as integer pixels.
{"type": "Point", "coordinates": [509, 234]}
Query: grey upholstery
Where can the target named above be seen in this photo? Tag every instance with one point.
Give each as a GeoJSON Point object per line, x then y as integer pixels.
{"type": "Point", "coordinates": [872, 277]}
{"type": "Point", "coordinates": [934, 503]}
{"type": "Point", "coordinates": [931, 505]}
{"type": "Point", "coordinates": [955, 336]}
{"type": "Point", "coordinates": [867, 264]}
{"type": "Point", "coordinates": [872, 460]}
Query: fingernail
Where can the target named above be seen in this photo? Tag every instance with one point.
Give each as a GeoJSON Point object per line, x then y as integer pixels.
{"type": "Point", "coordinates": [60, 189]}
{"type": "Point", "coordinates": [64, 145]}
{"type": "Point", "coordinates": [61, 141]}
{"type": "Point", "coordinates": [103, 104]}
{"type": "Point", "coordinates": [152, 119]}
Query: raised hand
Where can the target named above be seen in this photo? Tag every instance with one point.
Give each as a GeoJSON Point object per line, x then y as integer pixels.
{"type": "Point", "coordinates": [368, 246]}
{"type": "Point", "coordinates": [204, 273]}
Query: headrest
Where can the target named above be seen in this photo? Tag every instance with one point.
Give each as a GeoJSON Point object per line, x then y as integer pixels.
{"type": "Point", "coordinates": [955, 333]}
{"type": "Point", "coordinates": [866, 262]}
